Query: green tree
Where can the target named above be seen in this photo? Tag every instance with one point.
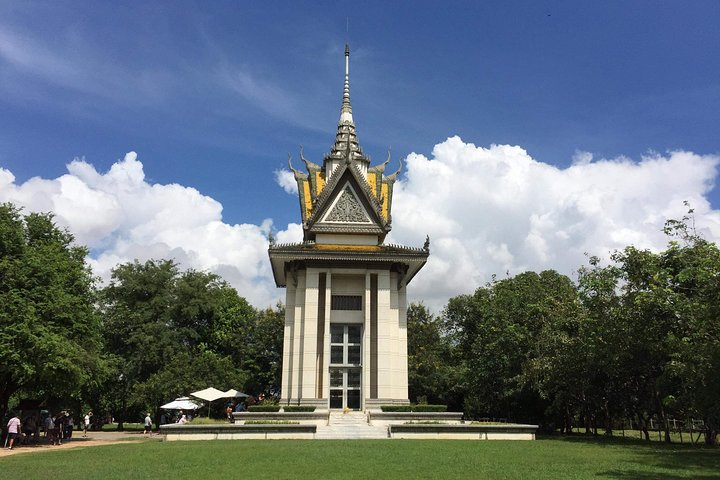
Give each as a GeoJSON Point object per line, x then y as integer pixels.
{"type": "Point", "coordinates": [49, 342]}
{"type": "Point", "coordinates": [692, 279]}
{"type": "Point", "coordinates": [171, 332]}
{"type": "Point", "coordinates": [496, 331]}
{"type": "Point", "coordinates": [433, 370]}
{"type": "Point", "coordinates": [258, 351]}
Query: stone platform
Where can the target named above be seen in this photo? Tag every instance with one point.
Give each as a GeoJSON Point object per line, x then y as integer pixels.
{"type": "Point", "coordinates": [326, 425]}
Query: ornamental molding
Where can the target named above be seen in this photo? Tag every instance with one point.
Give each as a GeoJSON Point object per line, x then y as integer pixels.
{"type": "Point", "coordinates": [347, 208]}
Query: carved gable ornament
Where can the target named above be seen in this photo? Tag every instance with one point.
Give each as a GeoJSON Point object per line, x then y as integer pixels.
{"type": "Point", "coordinates": [347, 208]}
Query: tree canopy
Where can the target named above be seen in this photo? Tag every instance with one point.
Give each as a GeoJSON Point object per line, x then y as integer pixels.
{"type": "Point", "coordinates": [49, 329]}
{"type": "Point", "coordinates": [637, 340]}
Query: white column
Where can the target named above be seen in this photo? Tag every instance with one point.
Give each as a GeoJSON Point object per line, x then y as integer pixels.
{"type": "Point", "coordinates": [326, 340]}
{"type": "Point", "coordinates": [309, 352]}
{"type": "Point", "coordinates": [287, 359]}
{"type": "Point", "coordinates": [385, 337]}
{"type": "Point", "coordinates": [297, 350]}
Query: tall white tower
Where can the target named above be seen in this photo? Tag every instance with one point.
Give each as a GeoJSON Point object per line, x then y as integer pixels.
{"type": "Point", "coordinates": [345, 343]}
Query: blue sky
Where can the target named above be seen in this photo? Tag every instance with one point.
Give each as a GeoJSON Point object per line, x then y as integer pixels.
{"type": "Point", "coordinates": [213, 95]}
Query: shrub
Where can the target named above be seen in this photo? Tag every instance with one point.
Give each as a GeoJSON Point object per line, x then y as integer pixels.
{"type": "Point", "coordinates": [413, 408]}
{"type": "Point", "coordinates": [271, 422]}
{"type": "Point", "coordinates": [299, 408]}
{"type": "Point", "coordinates": [429, 408]}
{"type": "Point", "coordinates": [396, 408]}
{"type": "Point", "coordinates": [264, 408]}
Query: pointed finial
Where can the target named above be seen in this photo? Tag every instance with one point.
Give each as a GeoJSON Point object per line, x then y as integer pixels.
{"type": "Point", "coordinates": [346, 109]}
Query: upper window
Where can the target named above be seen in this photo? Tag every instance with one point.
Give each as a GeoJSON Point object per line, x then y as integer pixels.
{"type": "Point", "coordinates": [346, 302]}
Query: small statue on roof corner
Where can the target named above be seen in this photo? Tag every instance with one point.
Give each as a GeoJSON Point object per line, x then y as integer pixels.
{"type": "Point", "coordinates": [271, 238]}
{"type": "Point", "coordinates": [426, 246]}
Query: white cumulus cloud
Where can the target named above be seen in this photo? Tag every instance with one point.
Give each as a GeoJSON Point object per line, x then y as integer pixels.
{"type": "Point", "coordinates": [497, 210]}
{"type": "Point", "coordinates": [488, 211]}
{"type": "Point", "coordinates": [121, 217]}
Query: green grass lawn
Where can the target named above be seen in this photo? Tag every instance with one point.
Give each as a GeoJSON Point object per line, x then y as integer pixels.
{"type": "Point", "coordinates": [572, 458]}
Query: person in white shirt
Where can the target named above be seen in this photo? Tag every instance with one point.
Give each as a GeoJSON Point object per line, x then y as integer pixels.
{"type": "Point", "coordinates": [86, 424]}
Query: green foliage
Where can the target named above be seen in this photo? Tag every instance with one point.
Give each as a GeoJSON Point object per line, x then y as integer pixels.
{"type": "Point", "coordinates": [495, 332]}
{"type": "Point", "coordinates": [264, 408]}
{"type": "Point", "coordinates": [271, 422]}
{"type": "Point", "coordinates": [396, 408]}
{"type": "Point", "coordinates": [49, 336]}
{"type": "Point", "coordinates": [429, 408]}
{"type": "Point", "coordinates": [433, 371]}
{"type": "Point", "coordinates": [638, 339]}
{"type": "Point", "coordinates": [172, 333]}
{"type": "Point", "coordinates": [258, 350]}
{"type": "Point", "coordinates": [299, 408]}
{"type": "Point", "coordinates": [414, 408]}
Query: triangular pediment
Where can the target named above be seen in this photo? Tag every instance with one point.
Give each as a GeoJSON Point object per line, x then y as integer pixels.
{"type": "Point", "coordinates": [346, 208]}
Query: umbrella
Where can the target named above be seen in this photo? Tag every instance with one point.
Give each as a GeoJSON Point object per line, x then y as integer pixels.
{"type": "Point", "coordinates": [209, 394]}
{"type": "Point", "coordinates": [232, 393]}
{"type": "Point", "coordinates": [181, 403]}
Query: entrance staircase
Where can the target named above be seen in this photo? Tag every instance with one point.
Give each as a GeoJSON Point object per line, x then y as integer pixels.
{"type": "Point", "coordinates": [349, 426]}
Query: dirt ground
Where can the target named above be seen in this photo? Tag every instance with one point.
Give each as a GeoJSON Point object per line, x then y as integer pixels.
{"type": "Point", "coordinates": [93, 439]}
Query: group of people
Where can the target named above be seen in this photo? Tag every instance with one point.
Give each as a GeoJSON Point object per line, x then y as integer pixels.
{"type": "Point", "coordinates": [232, 407]}
{"type": "Point", "coordinates": [57, 427]}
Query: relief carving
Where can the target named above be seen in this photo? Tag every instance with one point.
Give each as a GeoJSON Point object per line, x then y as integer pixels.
{"type": "Point", "coordinates": [347, 209]}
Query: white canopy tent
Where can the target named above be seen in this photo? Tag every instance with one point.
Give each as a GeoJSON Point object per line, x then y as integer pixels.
{"type": "Point", "coordinates": [181, 403]}
{"type": "Point", "coordinates": [209, 394]}
{"type": "Point", "coordinates": [232, 393]}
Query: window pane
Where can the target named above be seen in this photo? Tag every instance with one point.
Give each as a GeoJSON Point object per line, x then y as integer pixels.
{"type": "Point", "coordinates": [336, 378]}
{"type": "Point", "coordinates": [353, 333]}
{"type": "Point", "coordinates": [353, 378]}
{"type": "Point", "coordinates": [336, 399]}
{"type": "Point", "coordinates": [354, 354]}
{"type": "Point", "coordinates": [336, 354]}
{"type": "Point", "coordinates": [336, 333]}
{"type": "Point", "coordinates": [353, 399]}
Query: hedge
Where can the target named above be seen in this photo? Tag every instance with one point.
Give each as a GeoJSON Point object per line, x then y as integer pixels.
{"type": "Point", "coordinates": [396, 408]}
{"type": "Point", "coordinates": [299, 408]}
{"type": "Point", "coordinates": [264, 408]}
{"type": "Point", "coordinates": [429, 408]}
{"type": "Point", "coordinates": [413, 408]}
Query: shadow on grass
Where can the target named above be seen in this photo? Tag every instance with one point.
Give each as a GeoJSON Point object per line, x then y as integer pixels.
{"type": "Point", "coordinates": [638, 475]}
{"type": "Point", "coordinates": [689, 461]}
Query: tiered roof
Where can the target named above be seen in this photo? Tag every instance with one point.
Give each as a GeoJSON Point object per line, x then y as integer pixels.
{"type": "Point", "coordinates": [363, 193]}
{"type": "Point", "coordinates": [349, 202]}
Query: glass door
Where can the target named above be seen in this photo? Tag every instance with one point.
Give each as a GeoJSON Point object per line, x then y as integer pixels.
{"type": "Point", "coordinates": [345, 366]}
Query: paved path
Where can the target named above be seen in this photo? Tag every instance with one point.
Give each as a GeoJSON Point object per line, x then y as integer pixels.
{"type": "Point", "coordinates": [93, 439]}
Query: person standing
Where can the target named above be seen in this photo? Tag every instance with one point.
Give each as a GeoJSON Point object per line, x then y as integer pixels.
{"type": "Point", "coordinates": [13, 427]}
{"type": "Point", "coordinates": [148, 425]}
{"type": "Point", "coordinates": [86, 424]}
{"type": "Point", "coordinates": [70, 426]}
{"type": "Point", "coordinates": [51, 432]}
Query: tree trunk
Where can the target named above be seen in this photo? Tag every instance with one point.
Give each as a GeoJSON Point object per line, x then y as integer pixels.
{"type": "Point", "coordinates": [644, 426]}
{"type": "Point", "coordinates": [568, 420]}
{"type": "Point", "coordinates": [608, 419]}
{"type": "Point", "coordinates": [588, 427]}
{"type": "Point", "coordinates": [6, 393]}
{"type": "Point", "coordinates": [711, 433]}
{"type": "Point", "coordinates": [663, 419]}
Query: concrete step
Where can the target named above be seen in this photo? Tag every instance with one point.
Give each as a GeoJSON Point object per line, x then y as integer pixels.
{"type": "Point", "coordinates": [351, 425]}
{"type": "Point", "coordinates": [324, 433]}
